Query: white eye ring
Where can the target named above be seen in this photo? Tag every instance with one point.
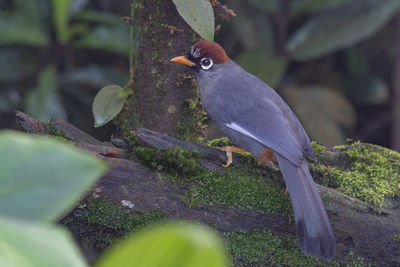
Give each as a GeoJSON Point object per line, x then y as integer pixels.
{"type": "Point", "coordinates": [208, 65]}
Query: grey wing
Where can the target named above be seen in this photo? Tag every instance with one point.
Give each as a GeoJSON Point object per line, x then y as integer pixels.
{"type": "Point", "coordinates": [266, 118]}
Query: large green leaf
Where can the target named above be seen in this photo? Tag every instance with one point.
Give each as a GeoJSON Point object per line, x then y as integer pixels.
{"type": "Point", "coordinates": [41, 179]}
{"type": "Point", "coordinates": [199, 14]}
{"type": "Point", "coordinates": [107, 104]}
{"type": "Point", "coordinates": [324, 112]}
{"type": "Point", "coordinates": [44, 102]}
{"type": "Point", "coordinates": [264, 64]}
{"type": "Point", "coordinates": [340, 27]}
{"type": "Point", "coordinates": [31, 244]}
{"type": "Point", "coordinates": [171, 245]}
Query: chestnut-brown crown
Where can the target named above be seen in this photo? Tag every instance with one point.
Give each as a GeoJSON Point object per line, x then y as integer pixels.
{"type": "Point", "coordinates": [209, 49]}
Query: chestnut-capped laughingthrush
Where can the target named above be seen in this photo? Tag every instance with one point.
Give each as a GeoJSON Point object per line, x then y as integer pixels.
{"type": "Point", "coordinates": [256, 119]}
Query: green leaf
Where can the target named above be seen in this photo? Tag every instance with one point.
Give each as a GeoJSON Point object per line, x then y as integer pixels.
{"type": "Point", "coordinates": [340, 27]}
{"type": "Point", "coordinates": [61, 19]}
{"type": "Point", "coordinates": [199, 14]}
{"type": "Point", "coordinates": [44, 102]}
{"type": "Point", "coordinates": [107, 104]}
{"type": "Point", "coordinates": [264, 64]}
{"type": "Point", "coordinates": [111, 38]}
{"type": "Point", "coordinates": [324, 112]}
{"type": "Point", "coordinates": [41, 179]}
{"type": "Point", "coordinates": [31, 244]}
{"type": "Point", "coordinates": [172, 245]}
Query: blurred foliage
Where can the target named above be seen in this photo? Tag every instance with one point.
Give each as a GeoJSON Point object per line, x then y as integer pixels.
{"type": "Point", "coordinates": [56, 54]}
{"type": "Point", "coordinates": [329, 59]}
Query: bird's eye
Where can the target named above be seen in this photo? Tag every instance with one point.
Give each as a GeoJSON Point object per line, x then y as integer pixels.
{"type": "Point", "coordinates": [206, 63]}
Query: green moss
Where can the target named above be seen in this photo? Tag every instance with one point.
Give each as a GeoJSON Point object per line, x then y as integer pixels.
{"type": "Point", "coordinates": [98, 223]}
{"type": "Point", "coordinates": [191, 122]}
{"type": "Point", "coordinates": [220, 142]}
{"type": "Point", "coordinates": [56, 134]}
{"type": "Point", "coordinates": [51, 130]}
{"type": "Point", "coordinates": [177, 162]}
{"type": "Point", "coordinates": [319, 150]}
{"type": "Point", "coordinates": [364, 171]}
{"type": "Point", "coordinates": [265, 248]}
{"type": "Point", "coordinates": [396, 238]}
{"type": "Point", "coordinates": [239, 187]}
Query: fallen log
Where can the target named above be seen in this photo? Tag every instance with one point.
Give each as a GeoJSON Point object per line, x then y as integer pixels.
{"type": "Point", "coordinates": [139, 185]}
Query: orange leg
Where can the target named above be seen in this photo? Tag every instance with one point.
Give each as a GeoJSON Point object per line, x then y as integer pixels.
{"type": "Point", "coordinates": [228, 150]}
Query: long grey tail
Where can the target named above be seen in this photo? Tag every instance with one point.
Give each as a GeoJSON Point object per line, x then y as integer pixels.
{"type": "Point", "coordinates": [312, 224]}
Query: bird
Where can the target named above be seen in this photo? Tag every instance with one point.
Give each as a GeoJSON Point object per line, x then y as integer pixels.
{"type": "Point", "coordinates": [258, 120]}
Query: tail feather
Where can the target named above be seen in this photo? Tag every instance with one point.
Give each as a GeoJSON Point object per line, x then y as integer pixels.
{"type": "Point", "coordinates": [312, 224]}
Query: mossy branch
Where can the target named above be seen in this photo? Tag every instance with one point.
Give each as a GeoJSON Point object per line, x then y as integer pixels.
{"type": "Point", "coordinates": [151, 172]}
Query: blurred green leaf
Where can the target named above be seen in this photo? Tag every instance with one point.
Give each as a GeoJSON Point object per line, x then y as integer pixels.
{"type": "Point", "coordinates": [96, 76]}
{"type": "Point", "coordinates": [264, 64]}
{"type": "Point", "coordinates": [22, 25]}
{"type": "Point", "coordinates": [30, 244]}
{"type": "Point", "coordinates": [367, 90]}
{"type": "Point", "coordinates": [322, 111]}
{"type": "Point", "coordinates": [199, 14]}
{"type": "Point", "coordinates": [111, 38]}
{"type": "Point", "coordinates": [171, 245]}
{"type": "Point", "coordinates": [17, 64]}
{"type": "Point", "coordinates": [41, 179]}
{"type": "Point", "coordinates": [44, 102]}
{"type": "Point", "coordinates": [340, 27]}
{"type": "Point", "coordinates": [107, 104]}
{"type": "Point", "coordinates": [61, 19]}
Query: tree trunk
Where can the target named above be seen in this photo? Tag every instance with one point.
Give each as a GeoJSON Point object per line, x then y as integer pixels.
{"type": "Point", "coordinates": [165, 97]}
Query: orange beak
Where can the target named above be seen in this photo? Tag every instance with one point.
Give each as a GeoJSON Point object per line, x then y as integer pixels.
{"type": "Point", "coordinates": [182, 60]}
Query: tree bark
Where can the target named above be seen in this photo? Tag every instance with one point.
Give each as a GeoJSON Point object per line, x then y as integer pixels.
{"type": "Point", "coordinates": [358, 227]}
{"type": "Point", "coordinates": [162, 91]}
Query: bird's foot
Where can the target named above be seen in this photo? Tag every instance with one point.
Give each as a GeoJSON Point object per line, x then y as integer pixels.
{"type": "Point", "coordinates": [228, 150]}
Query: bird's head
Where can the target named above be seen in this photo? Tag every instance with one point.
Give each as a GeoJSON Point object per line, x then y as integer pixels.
{"type": "Point", "coordinates": [203, 56]}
